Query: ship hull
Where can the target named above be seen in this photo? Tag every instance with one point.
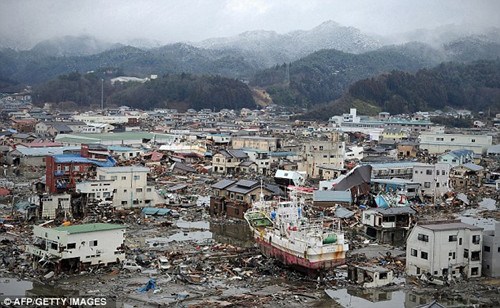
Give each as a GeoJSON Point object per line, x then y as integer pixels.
{"type": "Point", "coordinates": [289, 259]}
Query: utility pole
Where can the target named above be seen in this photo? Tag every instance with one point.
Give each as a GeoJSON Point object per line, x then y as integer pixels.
{"type": "Point", "coordinates": [102, 93]}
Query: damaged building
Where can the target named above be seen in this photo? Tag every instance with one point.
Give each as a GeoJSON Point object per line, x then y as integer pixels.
{"type": "Point", "coordinates": [78, 246]}
{"type": "Point", "coordinates": [388, 225]}
{"type": "Point", "coordinates": [445, 249]}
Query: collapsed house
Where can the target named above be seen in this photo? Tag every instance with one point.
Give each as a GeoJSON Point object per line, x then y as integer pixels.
{"type": "Point", "coordinates": [370, 276]}
{"type": "Point", "coordinates": [388, 225]}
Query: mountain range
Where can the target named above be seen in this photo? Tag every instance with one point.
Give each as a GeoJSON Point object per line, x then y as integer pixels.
{"type": "Point", "coordinates": [302, 68]}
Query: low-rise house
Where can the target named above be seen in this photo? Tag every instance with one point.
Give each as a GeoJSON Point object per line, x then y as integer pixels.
{"type": "Point", "coordinates": [466, 175]}
{"type": "Point", "coordinates": [446, 249]}
{"type": "Point", "coordinates": [78, 246]}
{"type": "Point", "coordinates": [457, 157]}
{"type": "Point", "coordinates": [433, 179]}
{"type": "Point", "coordinates": [370, 276]}
{"type": "Point", "coordinates": [407, 149]}
{"type": "Point", "coordinates": [232, 198]}
{"type": "Point", "coordinates": [228, 161]}
{"type": "Point", "coordinates": [491, 252]}
{"type": "Point", "coordinates": [388, 225]}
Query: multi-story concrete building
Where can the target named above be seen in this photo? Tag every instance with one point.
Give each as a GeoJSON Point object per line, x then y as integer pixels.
{"type": "Point", "coordinates": [437, 143]}
{"type": "Point", "coordinates": [444, 249]}
{"type": "Point", "coordinates": [269, 144]}
{"type": "Point", "coordinates": [74, 247]}
{"type": "Point", "coordinates": [491, 252]}
{"type": "Point", "coordinates": [127, 185]}
{"type": "Point", "coordinates": [65, 170]}
{"type": "Point", "coordinates": [433, 179]}
{"type": "Point", "coordinates": [318, 153]}
{"type": "Point", "coordinates": [457, 157]}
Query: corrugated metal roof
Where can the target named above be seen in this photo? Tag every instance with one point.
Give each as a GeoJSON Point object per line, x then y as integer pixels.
{"type": "Point", "coordinates": [75, 158]}
{"type": "Point", "coordinates": [44, 151]}
{"type": "Point", "coordinates": [89, 228]}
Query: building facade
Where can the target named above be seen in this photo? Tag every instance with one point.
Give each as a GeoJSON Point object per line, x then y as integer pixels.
{"type": "Point", "coordinates": [445, 249]}
{"type": "Point", "coordinates": [74, 247]}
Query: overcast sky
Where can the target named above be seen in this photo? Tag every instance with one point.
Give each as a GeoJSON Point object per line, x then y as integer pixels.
{"type": "Point", "coordinates": [30, 21]}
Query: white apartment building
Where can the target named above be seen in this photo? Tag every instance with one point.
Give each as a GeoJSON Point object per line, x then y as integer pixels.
{"type": "Point", "coordinates": [447, 249]}
{"type": "Point", "coordinates": [126, 185]}
{"type": "Point", "coordinates": [77, 245]}
{"type": "Point", "coordinates": [491, 252]}
{"type": "Point", "coordinates": [437, 143]}
{"type": "Point", "coordinates": [433, 179]}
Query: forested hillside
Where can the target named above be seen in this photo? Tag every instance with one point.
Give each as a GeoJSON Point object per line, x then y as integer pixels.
{"type": "Point", "coordinates": [175, 91]}
{"type": "Point", "coordinates": [473, 86]}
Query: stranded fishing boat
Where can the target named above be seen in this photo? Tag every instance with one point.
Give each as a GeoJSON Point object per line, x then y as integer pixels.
{"type": "Point", "coordinates": [282, 232]}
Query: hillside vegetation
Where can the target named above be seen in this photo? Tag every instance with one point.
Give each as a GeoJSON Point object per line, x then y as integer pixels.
{"type": "Point", "coordinates": [173, 91]}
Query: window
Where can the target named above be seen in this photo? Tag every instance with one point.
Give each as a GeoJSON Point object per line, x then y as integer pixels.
{"type": "Point", "coordinates": [437, 172]}
{"type": "Point", "coordinates": [487, 248]}
{"type": "Point", "coordinates": [439, 139]}
{"type": "Point", "coordinates": [148, 189]}
{"type": "Point", "coordinates": [466, 253]}
{"type": "Point", "coordinates": [428, 172]}
{"type": "Point", "coordinates": [460, 241]}
{"type": "Point", "coordinates": [452, 238]}
{"type": "Point", "coordinates": [114, 177]}
{"type": "Point", "coordinates": [475, 256]}
{"type": "Point", "coordinates": [427, 184]}
{"type": "Point", "coordinates": [93, 243]}
{"type": "Point", "coordinates": [476, 239]}
{"type": "Point", "coordinates": [124, 177]}
{"type": "Point", "coordinates": [138, 190]}
{"type": "Point", "coordinates": [423, 237]}
{"type": "Point", "coordinates": [473, 140]}
{"type": "Point", "coordinates": [137, 177]}
{"type": "Point", "coordinates": [53, 246]}
{"type": "Point", "coordinates": [452, 255]}
{"type": "Point", "coordinates": [124, 202]}
{"type": "Point", "coordinates": [413, 252]}
{"type": "Point", "coordinates": [499, 249]}
{"type": "Point", "coordinates": [424, 255]}
{"type": "Point", "coordinates": [474, 271]}
{"type": "Point", "coordinates": [71, 246]}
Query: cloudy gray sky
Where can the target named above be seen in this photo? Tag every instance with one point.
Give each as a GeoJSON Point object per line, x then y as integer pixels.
{"type": "Point", "coordinates": [29, 21]}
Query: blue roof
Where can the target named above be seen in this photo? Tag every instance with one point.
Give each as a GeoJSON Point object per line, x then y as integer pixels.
{"type": "Point", "coordinates": [118, 148]}
{"type": "Point", "coordinates": [155, 211]}
{"type": "Point", "coordinates": [332, 196]}
{"type": "Point", "coordinates": [282, 154]}
{"type": "Point", "coordinates": [76, 158]}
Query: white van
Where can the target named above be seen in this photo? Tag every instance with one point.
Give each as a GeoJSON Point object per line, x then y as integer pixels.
{"type": "Point", "coordinates": [131, 266]}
